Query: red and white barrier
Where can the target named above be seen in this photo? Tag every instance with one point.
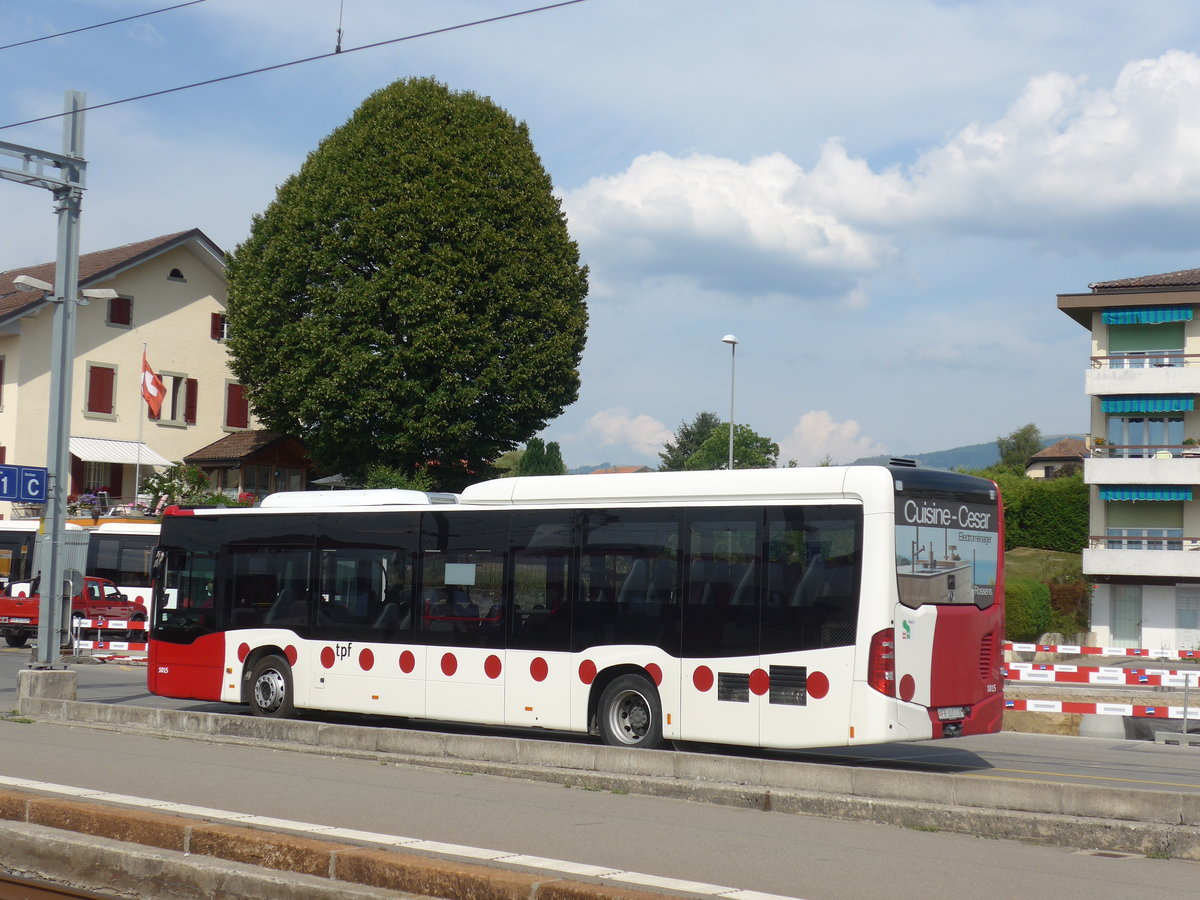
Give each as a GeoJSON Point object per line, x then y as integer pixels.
{"type": "Point", "coordinates": [1073, 650]}
{"type": "Point", "coordinates": [1068, 674]}
{"type": "Point", "coordinates": [1103, 709]}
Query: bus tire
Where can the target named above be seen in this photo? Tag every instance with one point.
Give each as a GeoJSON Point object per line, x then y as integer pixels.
{"type": "Point", "coordinates": [631, 713]}
{"type": "Point", "coordinates": [15, 640]}
{"type": "Point", "coordinates": [271, 688]}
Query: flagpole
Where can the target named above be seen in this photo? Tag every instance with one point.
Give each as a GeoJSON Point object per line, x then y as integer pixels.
{"type": "Point", "coordinates": [137, 470]}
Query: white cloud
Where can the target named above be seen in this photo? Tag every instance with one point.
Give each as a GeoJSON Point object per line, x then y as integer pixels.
{"type": "Point", "coordinates": [1065, 166]}
{"type": "Point", "coordinates": [817, 436]}
{"type": "Point", "coordinates": [730, 226]}
{"type": "Point", "coordinates": [613, 427]}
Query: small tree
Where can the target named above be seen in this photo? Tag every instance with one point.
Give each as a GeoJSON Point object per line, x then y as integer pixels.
{"type": "Point", "coordinates": [750, 450]}
{"type": "Point", "coordinates": [688, 439]}
{"type": "Point", "coordinates": [181, 484]}
{"type": "Point", "coordinates": [390, 477]}
{"type": "Point", "coordinates": [1016, 448]}
{"type": "Point", "coordinates": [541, 458]}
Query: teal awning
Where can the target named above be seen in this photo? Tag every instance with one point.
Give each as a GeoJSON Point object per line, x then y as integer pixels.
{"type": "Point", "coordinates": [1147, 315]}
{"type": "Point", "coordinates": [1148, 403]}
{"type": "Point", "coordinates": [1145, 492]}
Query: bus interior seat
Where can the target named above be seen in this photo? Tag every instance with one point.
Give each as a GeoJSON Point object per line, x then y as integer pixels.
{"type": "Point", "coordinates": [287, 609]}
{"type": "Point", "coordinates": [743, 594]}
{"type": "Point", "coordinates": [636, 583]}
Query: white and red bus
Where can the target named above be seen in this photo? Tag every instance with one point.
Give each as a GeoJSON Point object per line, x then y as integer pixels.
{"type": "Point", "coordinates": [123, 552]}
{"type": "Point", "coordinates": [780, 608]}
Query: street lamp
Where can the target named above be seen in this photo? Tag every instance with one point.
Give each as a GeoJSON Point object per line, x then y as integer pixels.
{"type": "Point", "coordinates": [732, 342]}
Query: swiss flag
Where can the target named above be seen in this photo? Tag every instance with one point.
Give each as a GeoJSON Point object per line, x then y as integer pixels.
{"type": "Point", "coordinates": [153, 389]}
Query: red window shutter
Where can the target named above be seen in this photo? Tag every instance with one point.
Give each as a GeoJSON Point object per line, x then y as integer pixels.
{"type": "Point", "coordinates": [189, 401]}
{"type": "Point", "coordinates": [217, 326]}
{"type": "Point", "coordinates": [3, 455]}
{"type": "Point", "coordinates": [120, 311]}
{"type": "Point", "coordinates": [237, 410]}
{"type": "Point", "coordinates": [1, 383]}
{"type": "Point", "coordinates": [100, 389]}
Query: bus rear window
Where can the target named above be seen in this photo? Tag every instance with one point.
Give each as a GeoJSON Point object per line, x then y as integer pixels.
{"type": "Point", "coordinates": [946, 550]}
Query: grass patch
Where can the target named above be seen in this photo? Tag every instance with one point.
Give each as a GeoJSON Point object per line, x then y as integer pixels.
{"type": "Point", "coordinates": [1042, 565]}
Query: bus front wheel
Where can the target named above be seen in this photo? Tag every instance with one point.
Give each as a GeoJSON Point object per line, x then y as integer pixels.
{"type": "Point", "coordinates": [271, 688]}
{"type": "Point", "coordinates": [631, 714]}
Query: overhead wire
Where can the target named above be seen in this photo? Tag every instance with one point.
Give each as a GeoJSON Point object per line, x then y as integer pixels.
{"type": "Point", "coordinates": [297, 62]}
{"type": "Point", "coordinates": [143, 15]}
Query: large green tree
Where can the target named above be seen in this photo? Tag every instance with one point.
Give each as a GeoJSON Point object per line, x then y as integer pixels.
{"type": "Point", "coordinates": [411, 298]}
{"type": "Point", "coordinates": [688, 438]}
{"type": "Point", "coordinates": [750, 450]}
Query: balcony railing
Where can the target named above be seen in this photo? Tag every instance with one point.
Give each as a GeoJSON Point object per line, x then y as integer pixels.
{"type": "Point", "coordinates": [1151, 359]}
{"type": "Point", "coordinates": [1146, 451]}
{"type": "Point", "coordinates": [1133, 542]}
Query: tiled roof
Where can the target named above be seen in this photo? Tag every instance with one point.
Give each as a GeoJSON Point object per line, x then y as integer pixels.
{"type": "Point", "coordinates": [237, 445]}
{"type": "Point", "coordinates": [1182, 278]}
{"type": "Point", "coordinates": [92, 267]}
{"type": "Point", "coordinates": [1067, 448]}
{"type": "Point", "coordinates": [621, 470]}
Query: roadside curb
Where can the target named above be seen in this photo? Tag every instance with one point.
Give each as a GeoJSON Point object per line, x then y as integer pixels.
{"type": "Point", "coordinates": [1083, 816]}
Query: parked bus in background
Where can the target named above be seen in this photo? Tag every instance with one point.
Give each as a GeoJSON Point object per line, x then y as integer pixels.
{"type": "Point", "coordinates": [124, 553]}
{"type": "Point", "coordinates": [781, 608]}
{"type": "Point", "coordinates": [16, 550]}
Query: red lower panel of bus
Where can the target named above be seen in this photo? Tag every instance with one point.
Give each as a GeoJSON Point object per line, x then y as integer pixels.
{"type": "Point", "coordinates": [187, 671]}
{"type": "Point", "coordinates": [966, 667]}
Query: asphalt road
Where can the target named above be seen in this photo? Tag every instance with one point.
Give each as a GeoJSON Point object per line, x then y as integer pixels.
{"type": "Point", "coordinates": [789, 855]}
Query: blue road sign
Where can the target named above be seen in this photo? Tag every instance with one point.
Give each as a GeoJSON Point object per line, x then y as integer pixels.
{"type": "Point", "coordinates": [23, 484]}
{"type": "Point", "coordinates": [10, 480]}
{"type": "Point", "coordinates": [32, 488]}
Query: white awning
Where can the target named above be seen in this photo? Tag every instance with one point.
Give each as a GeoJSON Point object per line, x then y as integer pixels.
{"type": "Point", "coordinates": [128, 452]}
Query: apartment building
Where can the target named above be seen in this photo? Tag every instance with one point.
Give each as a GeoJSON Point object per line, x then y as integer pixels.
{"type": "Point", "coordinates": [171, 300]}
{"type": "Point", "coordinates": [1143, 464]}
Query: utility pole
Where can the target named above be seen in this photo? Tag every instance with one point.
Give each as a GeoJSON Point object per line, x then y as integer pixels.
{"type": "Point", "coordinates": [67, 186]}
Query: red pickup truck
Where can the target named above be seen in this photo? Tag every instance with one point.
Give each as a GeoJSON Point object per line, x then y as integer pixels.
{"type": "Point", "coordinates": [99, 597]}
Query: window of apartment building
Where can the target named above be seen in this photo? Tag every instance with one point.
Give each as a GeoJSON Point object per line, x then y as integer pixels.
{"type": "Point", "coordinates": [1144, 525]}
{"type": "Point", "coordinates": [1142, 436]}
{"type": "Point", "coordinates": [101, 389]}
{"type": "Point", "coordinates": [219, 327]}
{"type": "Point", "coordinates": [237, 410]}
{"type": "Point", "coordinates": [179, 405]}
{"type": "Point", "coordinates": [120, 312]}
{"type": "Point", "coordinates": [97, 476]}
{"type": "Point", "coordinates": [1187, 616]}
{"type": "Point", "coordinates": [1145, 346]}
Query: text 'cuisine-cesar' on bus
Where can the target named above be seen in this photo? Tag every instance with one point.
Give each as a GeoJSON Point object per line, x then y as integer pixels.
{"type": "Point", "coordinates": [782, 608]}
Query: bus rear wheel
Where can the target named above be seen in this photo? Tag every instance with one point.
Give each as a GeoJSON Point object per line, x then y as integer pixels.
{"type": "Point", "coordinates": [271, 688]}
{"type": "Point", "coordinates": [631, 713]}
{"type": "Point", "coordinates": [15, 640]}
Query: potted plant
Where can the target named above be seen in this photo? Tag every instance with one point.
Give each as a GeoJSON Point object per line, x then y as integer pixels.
{"type": "Point", "coordinates": [1098, 445]}
{"type": "Point", "coordinates": [1191, 447]}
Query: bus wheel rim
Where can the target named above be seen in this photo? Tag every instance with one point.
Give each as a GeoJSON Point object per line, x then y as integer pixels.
{"type": "Point", "coordinates": [269, 689]}
{"type": "Point", "coordinates": [630, 717]}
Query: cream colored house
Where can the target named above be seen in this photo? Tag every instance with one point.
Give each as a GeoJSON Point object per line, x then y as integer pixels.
{"type": "Point", "coordinates": [171, 298]}
{"type": "Point", "coordinates": [1143, 466]}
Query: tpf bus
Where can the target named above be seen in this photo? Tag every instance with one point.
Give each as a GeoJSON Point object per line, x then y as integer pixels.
{"type": "Point", "coordinates": [778, 608]}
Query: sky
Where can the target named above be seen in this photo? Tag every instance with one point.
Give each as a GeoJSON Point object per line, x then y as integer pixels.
{"type": "Point", "coordinates": [881, 199]}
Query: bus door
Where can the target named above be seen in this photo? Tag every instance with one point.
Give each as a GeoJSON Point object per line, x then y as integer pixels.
{"type": "Point", "coordinates": [809, 623]}
{"type": "Point", "coordinates": [720, 700]}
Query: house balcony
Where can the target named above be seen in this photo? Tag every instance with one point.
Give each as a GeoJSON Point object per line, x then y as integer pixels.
{"type": "Point", "coordinates": [1143, 464]}
{"type": "Point", "coordinates": [1143, 558]}
{"type": "Point", "coordinates": [1168, 372]}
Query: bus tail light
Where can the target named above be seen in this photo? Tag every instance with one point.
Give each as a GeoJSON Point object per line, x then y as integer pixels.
{"type": "Point", "coordinates": [881, 666]}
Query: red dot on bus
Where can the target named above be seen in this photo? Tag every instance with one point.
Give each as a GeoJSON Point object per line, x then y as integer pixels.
{"type": "Point", "coordinates": [587, 671]}
{"type": "Point", "coordinates": [908, 687]}
{"type": "Point", "coordinates": [327, 657]}
{"type": "Point", "coordinates": [449, 664]}
{"type": "Point", "coordinates": [817, 685]}
{"type": "Point", "coordinates": [243, 652]}
{"type": "Point", "coordinates": [655, 673]}
{"type": "Point", "coordinates": [491, 666]}
{"type": "Point", "coordinates": [539, 669]}
{"type": "Point", "coordinates": [760, 682]}
{"type": "Point", "coordinates": [291, 654]}
{"type": "Point", "coordinates": [702, 678]}
{"type": "Point", "coordinates": [408, 662]}
{"type": "Point", "coordinates": [366, 659]}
